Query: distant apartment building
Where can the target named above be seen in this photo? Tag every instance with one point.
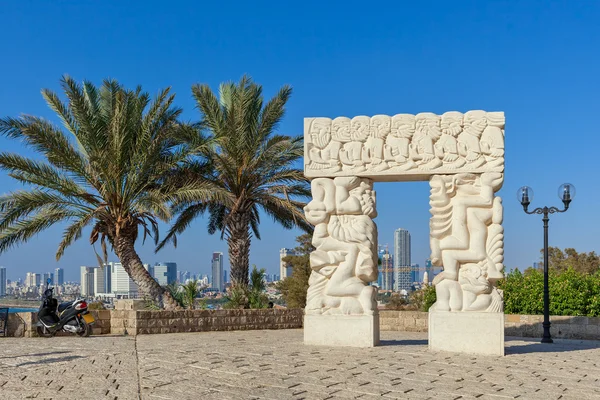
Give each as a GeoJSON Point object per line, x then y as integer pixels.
{"type": "Point", "coordinates": [46, 276]}
{"type": "Point", "coordinates": [2, 281]}
{"type": "Point", "coordinates": [429, 270]}
{"type": "Point", "coordinates": [87, 281]}
{"type": "Point", "coordinates": [386, 270]}
{"type": "Point", "coordinates": [32, 279]}
{"type": "Point", "coordinates": [121, 284]}
{"type": "Point", "coordinates": [165, 273]}
{"type": "Point", "coordinates": [217, 271]}
{"type": "Point", "coordinates": [59, 275]}
{"type": "Point", "coordinates": [285, 268]}
{"type": "Point", "coordinates": [402, 264]}
{"type": "Point", "coordinates": [415, 273]}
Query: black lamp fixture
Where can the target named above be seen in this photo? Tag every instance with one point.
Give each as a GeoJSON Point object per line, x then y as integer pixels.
{"type": "Point", "coordinates": [566, 192]}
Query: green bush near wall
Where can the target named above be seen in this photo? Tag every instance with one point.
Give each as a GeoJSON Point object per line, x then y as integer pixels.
{"type": "Point", "coordinates": [572, 293]}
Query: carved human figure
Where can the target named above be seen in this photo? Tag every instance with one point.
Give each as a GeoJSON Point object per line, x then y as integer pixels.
{"type": "Point", "coordinates": [351, 155]}
{"type": "Point", "coordinates": [427, 132]}
{"type": "Point", "coordinates": [379, 129]}
{"type": "Point", "coordinates": [340, 134]}
{"type": "Point", "coordinates": [492, 139]}
{"type": "Point", "coordinates": [322, 153]}
{"type": "Point", "coordinates": [345, 237]}
{"type": "Point", "coordinates": [446, 147]}
{"type": "Point", "coordinates": [464, 211]}
{"type": "Point", "coordinates": [398, 142]}
{"type": "Point", "coordinates": [475, 123]}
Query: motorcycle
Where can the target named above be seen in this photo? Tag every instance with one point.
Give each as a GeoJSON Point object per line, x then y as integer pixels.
{"type": "Point", "coordinates": [70, 317]}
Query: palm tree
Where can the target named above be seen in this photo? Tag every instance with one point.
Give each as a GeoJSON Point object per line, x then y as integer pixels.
{"type": "Point", "coordinates": [249, 166]}
{"type": "Point", "coordinates": [115, 176]}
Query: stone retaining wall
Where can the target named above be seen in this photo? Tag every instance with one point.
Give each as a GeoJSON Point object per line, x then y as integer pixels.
{"type": "Point", "coordinates": [586, 328]}
{"type": "Point", "coordinates": [137, 322]}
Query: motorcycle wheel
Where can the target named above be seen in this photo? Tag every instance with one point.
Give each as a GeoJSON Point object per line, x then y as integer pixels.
{"type": "Point", "coordinates": [43, 332]}
{"type": "Point", "coordinates": [86, 329]}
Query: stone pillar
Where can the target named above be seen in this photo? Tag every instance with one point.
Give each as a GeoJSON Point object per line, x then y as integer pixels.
{"type": "Point", "coordinates": [467, 239]}
{"type": "Point", "coordinates": [341, 306]}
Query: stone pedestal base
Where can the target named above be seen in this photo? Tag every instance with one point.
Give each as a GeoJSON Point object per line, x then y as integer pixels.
{"type": "Point", "coordinates": [467, 332]}
{"type": "Point", "coordinates": [341, 330]}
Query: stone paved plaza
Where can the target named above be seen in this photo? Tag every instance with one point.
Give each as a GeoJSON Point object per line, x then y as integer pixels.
{"type": "Point", "coordinates": [276, 365]}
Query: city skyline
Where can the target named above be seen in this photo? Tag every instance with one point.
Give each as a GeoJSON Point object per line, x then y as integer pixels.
{"type": "Point", "coordinates": [506, 68]}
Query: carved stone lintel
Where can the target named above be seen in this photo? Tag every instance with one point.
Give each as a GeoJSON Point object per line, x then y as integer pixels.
{"type": "Point", "coordinates": [404, 146]}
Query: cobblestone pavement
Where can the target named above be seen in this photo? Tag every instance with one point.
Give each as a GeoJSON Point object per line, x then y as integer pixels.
{"type": "Point", "coordinates": [276, 365]}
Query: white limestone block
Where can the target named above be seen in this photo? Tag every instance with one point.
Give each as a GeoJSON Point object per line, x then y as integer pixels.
{"type": "Point", "coordinates": [341, 330]}
{"type": "Point", "coordinates": [467, 332]}
{"type": "Point", "coordinates": [404, 146]}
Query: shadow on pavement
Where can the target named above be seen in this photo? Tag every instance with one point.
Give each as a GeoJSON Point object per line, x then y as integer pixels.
{"type": "Point", "coordinates": [417, 342]}
{"type": "Point", "coordinates": [35, 355]}
{"type": "Point", "coordinates": [50, 360]}
{"type": "Point", "coordinates": [559, 345]}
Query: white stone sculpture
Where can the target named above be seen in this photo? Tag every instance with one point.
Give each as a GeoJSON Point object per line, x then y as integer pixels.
{"type": "Point", "coordinates": [462, 155]}
{"type": "Point", "coordinates": [405, 145]}
{"type": "Point", "coordinates": [345, 238]}
{"type": "Point", "coordinates": [467, 240]}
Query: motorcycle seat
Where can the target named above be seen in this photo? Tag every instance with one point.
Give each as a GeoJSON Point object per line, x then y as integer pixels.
{"type": "Point", "coordinates": [63, 306]}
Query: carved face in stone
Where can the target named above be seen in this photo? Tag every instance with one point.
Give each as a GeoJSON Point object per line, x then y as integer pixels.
{"type": "Point", "coordinates": [380, 126]}
{"type": "Point", "coordinates": [340, 129]}
{"type": "Point", "coordinates": [428, 124]}
{"type": "Point", "coordinates": [475, 122]}
{"type": "Point", "coordinates": [359, 128]}
{"type": "Point", "coordinates": [316, 211]}
{"type": "Point", "coordinates": [452, 122]}
{"type": "Point", "coordinates": [320, 132]}
{"type": "Point", "coordinates": [467, 184]}
{"type": "Point", "coordinates": [403, 126]}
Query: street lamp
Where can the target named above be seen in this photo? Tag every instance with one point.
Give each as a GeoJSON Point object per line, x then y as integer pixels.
{"type": "Point", "coordinates": [566, 192]}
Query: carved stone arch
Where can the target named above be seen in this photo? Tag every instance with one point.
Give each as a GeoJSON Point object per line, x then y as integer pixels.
{"type": "Point", "coordinates": [462, 156]}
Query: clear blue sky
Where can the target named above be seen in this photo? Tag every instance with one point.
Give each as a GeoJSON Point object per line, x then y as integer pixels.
{"type": "Point", "coordinates": [537, 61]}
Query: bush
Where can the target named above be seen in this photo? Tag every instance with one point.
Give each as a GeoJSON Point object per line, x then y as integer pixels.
{"type": "Point", "coordinates": [571, 292]}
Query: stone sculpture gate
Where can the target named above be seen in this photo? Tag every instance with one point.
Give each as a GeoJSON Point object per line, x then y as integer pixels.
{"type": "Point", "coordinates": [462, 157]}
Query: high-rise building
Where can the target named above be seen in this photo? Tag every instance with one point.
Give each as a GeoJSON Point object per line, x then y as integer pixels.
{"type": "Point", "coordinates": [402, 265]}
{"type": "Point", "coordinates": [59, 275]}
{"type": "Point", "coordinates": [386, 269]}
{"type": "Point", "coordinates": [285, 268]}
{"type": "Point", "coordinates": [415, 273]}
{"type": "Point", "coordinates": [225, 277]}
{"type": "Point", "coordinates": [217, 271]}
{"type": "Point", "coordinates": [121, 283]}
{"type": "Point", "coordinates": [87, 281]}
{"type": "Point", "coordinates": [165, 273]}
{"type": "Point", "coordinates": [429, 270]}
{"type": "Point", "coordinates": [33, 279]}
{"type": "Point", "coordinates": [2, 281]}
{"type": "Point", "coordinates": [98, 280]}
{"type": "Point", "coordinates": [46, 276]}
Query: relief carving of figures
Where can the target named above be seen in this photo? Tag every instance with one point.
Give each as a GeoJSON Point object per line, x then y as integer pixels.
{"type": "Point", "coordinates": [322, 152]}
{"type": "Point", "coordinates": [467, 239]}
{"type": "Point", "coordinates": [345, 238]}
{"type": "Point", "coordinates": [446, 148]}
{"type": "Point", "coordinates": [379, 129]}
{"type": "Point", "coordinates": [398, 142]}
{"type": "Point", "coordinates": [405, 144]}
{"type": "Point", "coordinates": [352, 152]}
{"type": "Point", "coordinates": [427, 132]}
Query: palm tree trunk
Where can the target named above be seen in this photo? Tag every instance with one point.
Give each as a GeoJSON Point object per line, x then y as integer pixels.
{"type": "Point", "coordinates": [125, 250]}
{"type": "Point", "coordinates": [239, 248]}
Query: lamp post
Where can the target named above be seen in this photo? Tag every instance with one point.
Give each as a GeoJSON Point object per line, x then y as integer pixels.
{"type": "Point", "coordinates": [566, 192]}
